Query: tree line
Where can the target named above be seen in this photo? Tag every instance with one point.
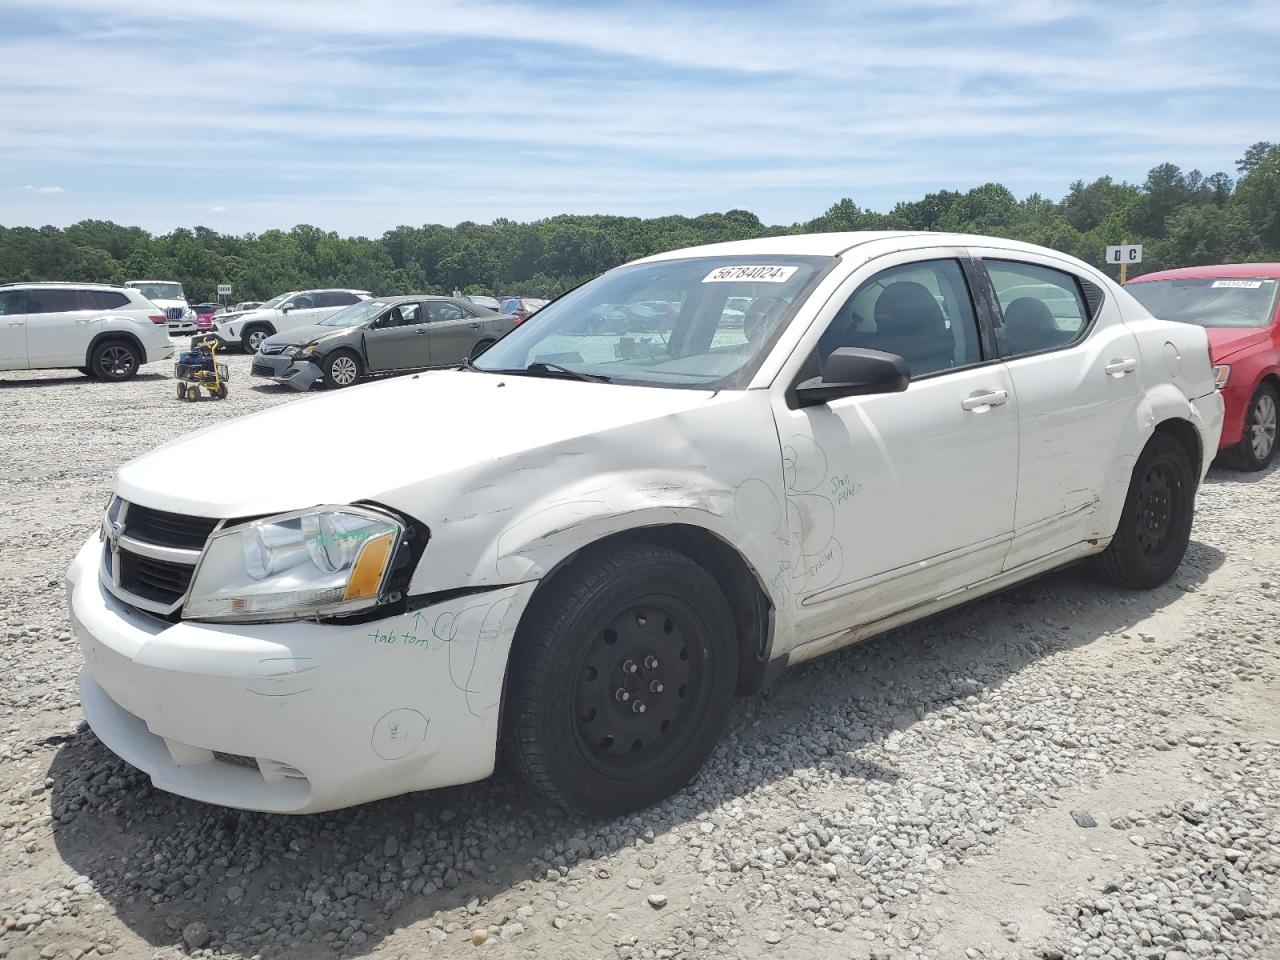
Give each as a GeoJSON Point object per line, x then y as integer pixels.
{"type": "Point", "coordinates": [1181, 217]}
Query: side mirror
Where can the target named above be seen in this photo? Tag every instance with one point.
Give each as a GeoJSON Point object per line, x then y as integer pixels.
{"type": "Point", "coordinates": [286, 308]}
{"type": "Point", "coordinates": [854, 372]}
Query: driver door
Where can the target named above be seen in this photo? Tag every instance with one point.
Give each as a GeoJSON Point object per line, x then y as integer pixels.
{"type": "Point", "coordinates": [13, 330]}
{"type": "Point", "coordinates": [898, 499]}
{"type": "Point", "coordinates": [398, 339]}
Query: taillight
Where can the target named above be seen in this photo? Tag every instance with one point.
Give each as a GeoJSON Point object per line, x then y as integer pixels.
{"type": "Point", "coordinates": [158, 318]}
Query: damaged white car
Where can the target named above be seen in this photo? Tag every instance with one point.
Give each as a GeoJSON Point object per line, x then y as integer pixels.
{"type": "Point", "coordinates": [661, 490]}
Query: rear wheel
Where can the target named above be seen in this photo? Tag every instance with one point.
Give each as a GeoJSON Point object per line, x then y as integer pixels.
{"type": "Point", "coordinates": [115, 360]}
{"type": "Point", "coordinates": [182, 391]}
{"type": "Point", "coordinates": [623, 677]}
{"type": "Point", "coordinates": [1155, 526]}
{"type": "Point", "coordinates": [219, 392]}
{"type": "Point", "coordinates": [481, 347]}
{"type": "Point", "coordinates": [1257, 448]}
{"type": "Point", "coordinates": [341, 369]}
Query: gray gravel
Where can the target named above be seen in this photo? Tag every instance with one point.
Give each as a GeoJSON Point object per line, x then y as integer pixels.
{"type": "Point", "coordinates": [916, 797]}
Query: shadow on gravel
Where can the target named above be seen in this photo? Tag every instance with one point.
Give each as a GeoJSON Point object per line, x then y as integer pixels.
{"type": "Point", "coordinates": [285, 886]}
{"type": "Point", "coordinates": [1222, 474]}
{"type": "Point", "coordinates": [74, 378]}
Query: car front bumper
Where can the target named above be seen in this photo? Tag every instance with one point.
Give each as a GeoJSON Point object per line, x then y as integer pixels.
{"type": "Point", "coordinates": [299, 374]}
{"type": "Point", "coordinates": [295, 717]}
{"type": "Point", "coordinates": [1209, 419]}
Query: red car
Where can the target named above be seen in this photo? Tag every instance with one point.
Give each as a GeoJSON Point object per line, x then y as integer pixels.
{"type": "Point", "coordinates": [204, 315]}
{"type": "Point", "coordinates": [1237, 306]}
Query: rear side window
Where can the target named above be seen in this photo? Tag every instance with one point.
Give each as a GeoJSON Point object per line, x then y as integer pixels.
{"type": "Point", "coordinates": [921, 311]}
{"type": "Point", "coordinates": [105, 299]}
{"type": "Point", "coordinates": [1043, 308]}
{"type": "Point", "coordinates": [336, 298]}
{"type": "Point", "coordinates": [52, 300]}
{"type": "Point", "coordinates": [444, 311]}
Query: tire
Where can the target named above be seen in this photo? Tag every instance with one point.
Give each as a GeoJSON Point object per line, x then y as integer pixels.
{"type": "Point", "coordinates": [219, 392]}
{"type": "Point", "coordinates": [87, 371]}
{"type": "Point", "coordinates": [1257, 448]}
{"type": "Point", "coordinates": [341, 369]}
{"type": "Point", "coordinates": [114, 361]}
{"type": "Point", "coordinates": [480, 347]}
{"type": "Point", "coordinates": [1155, 526]}
{"type": "Point", "coordinates": [193, 393]}
{"type": "Point", "coordinates": [251, 337]}
{"type": "Point", "coordinates": [622, 679]}
{"type": "Point", "coordinates": [182, 391]}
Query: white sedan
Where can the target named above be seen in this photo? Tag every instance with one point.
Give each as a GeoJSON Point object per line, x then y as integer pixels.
{"type": "Point", "coordinates": [580, 546]}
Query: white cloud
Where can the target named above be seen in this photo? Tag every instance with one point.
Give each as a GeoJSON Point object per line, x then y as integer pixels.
{"type": "Point", "coordinates": [32, 188]}
{"type": "Point", "coordinates": [217, 209]}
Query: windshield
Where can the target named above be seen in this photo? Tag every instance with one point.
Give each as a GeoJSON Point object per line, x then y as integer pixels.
{"type": "Point", "coordinates": [1209, 302]}
{"type": "Point", "coordinates": [355, 314]}
{"type": "Point", "coordinates": [705, 322]}
{"type": "Point", "coordinates": [276, 301]}
{"type": "Point", "coordinates": [160, 291]}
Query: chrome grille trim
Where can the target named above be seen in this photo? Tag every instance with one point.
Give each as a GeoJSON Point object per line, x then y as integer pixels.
{"type": "Point", "coordinates": [122, 548]}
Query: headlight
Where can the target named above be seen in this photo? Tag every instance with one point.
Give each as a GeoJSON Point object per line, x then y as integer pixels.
{"type": "Point", "coordinates": [318, 562]}
{"type": "Point", "coordinates": [308, 351]}
{"type": "Point", "coordinates": [1221, 374]}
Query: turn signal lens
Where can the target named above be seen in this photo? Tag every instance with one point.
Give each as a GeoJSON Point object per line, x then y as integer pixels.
{"type": "Point", "coordinates": [366, 578]}
{"type": "Point", "coordinates": [1221, 374]}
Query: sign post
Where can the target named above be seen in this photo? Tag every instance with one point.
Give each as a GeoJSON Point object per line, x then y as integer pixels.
{"type": "Point", "coordinates": [224, 290]}
{"type": "Point", "coordinates": [1124, 254]}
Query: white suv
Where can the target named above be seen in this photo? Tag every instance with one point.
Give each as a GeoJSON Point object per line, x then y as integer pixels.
{"type": "Point", "coordinates": [298, 308]}
{"type": "Point", "coordinates": [169, 296]}
{"type": "Point", "coordinates": [102, 331]}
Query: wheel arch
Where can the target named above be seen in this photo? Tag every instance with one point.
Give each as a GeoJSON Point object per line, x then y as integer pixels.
{"type": "Point", "coordinates": [753, 611]}
{"type": "Point", "coordinates": [1188, 436]}
{"type": "Point", "coordinates": [108, 335]}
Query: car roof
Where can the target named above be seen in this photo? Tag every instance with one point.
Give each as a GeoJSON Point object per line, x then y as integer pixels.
{"type": "Point", "coordinates": [71, 284]}
{"type": "Point", "coordinates": [334, 290]}
{"type": "Point", "coordinates": [1222, 271]}
{"type": "Point", "coordinates": [178, 282]}
{"type": "Point", "coordinates": [868, 243]}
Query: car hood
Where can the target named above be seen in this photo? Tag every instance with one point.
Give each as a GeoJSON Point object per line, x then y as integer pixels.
{"type": "Point", "coordinates": [359, 443]}
{"type": "Point", "coordinates": [166, 304]}
{"type": "Point", "coordinates": [301, 335]}
{"type": "Point", "coordinates": [1225, 341]}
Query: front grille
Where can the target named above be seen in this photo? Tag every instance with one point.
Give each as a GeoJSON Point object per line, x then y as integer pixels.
{"type": "Point", "coordinates": [237, 759]}
{"type": "Point", "coordinates": [270, 349]}
{"type": "Point", "coordinates": [173, 313]}
{"type": "Point", "coordinates": [167, 529]}
{"type": "Point", "coordinates": [148, 562]}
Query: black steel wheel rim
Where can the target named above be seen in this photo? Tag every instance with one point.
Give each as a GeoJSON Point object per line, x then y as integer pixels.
{"type": "Point", "coordinates": [116, 361]}
{"type": "Point", "coordinates": [642, 687]}
{"type": "Point", "coordinates": [1157, 509]}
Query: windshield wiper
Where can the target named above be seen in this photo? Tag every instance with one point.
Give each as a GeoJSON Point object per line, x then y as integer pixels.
{"type": "Point", "coordinates": [545, 368]}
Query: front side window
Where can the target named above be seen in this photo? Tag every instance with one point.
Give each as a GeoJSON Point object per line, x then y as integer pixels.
{"type": "Point", "coordinates": [1209, 302]}
{"type": "Point", "coordinates": [49, 300]}
{"type": "Point", "coordinates": [613, 327]}
{"type": "Point", "coordinates": [12, 302]}
{"type": "Point", "coordinates": [303, 301]}
{"type": "Point", "coordinates": [920, 311]}
{"type": "Point", "coordinates": [402, 315]}
{"type": "Point", "coordinates": [1043, 308]}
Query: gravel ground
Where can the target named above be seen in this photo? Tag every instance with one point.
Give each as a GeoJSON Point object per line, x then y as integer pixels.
{"type": "Point", "coordinates": [1064, 770]}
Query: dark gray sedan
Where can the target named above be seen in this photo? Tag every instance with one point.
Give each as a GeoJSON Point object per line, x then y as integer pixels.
{"type": "Point", "coordinates": [385, 335]}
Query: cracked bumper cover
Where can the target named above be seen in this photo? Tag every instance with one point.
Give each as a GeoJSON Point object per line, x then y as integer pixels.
{"type": "Point", "coordinates": [295, 717]}
{"type": "Point", "coordinates": [299, 374]}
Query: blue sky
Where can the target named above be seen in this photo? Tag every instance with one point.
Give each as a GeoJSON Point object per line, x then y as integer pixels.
{"type": "Point", "coordinates": [244, 115]}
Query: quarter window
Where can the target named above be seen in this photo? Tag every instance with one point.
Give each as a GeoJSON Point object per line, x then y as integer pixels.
{"type": "Point", "coordinates": [46, 300]}
{"type": "Point", "coordinates": [920, 311]}
{"type": "Point", "coordinates": [1043, 308]}
{"type": "Point", "coordinates": [105, 299]}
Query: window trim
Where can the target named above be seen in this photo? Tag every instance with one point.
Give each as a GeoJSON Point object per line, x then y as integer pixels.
{"type": "Point", "coordinates": [1091, 315]}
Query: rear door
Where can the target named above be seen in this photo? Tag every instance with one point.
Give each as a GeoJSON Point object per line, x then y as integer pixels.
{"type": "Point", "coordinates": [398, 339]}
{"type": "Point", "coordinates": [454, 332]}
{"type": "Point", "coordinates": [13, 330]}
{"type": "Point", "coordinates": [60, 324]}
{"type": "Point", "coordinates": [329, 302]}
{"type": "Point", "coordinates": [1075, 370]}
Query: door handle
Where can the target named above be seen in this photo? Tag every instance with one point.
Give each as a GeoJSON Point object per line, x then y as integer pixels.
{"type": "Point", "coordinates": [475, 326]}
{"type": "Point", "coordinates": [421, 333]}
{"type": "Point", "coordinates": [1118, 368]}
{"type": "Point", "coordinates": [15, 323]}
{"type": "Point", "coordinates": [981, 402]}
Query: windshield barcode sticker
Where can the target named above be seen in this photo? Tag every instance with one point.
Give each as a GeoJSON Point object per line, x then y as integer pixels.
{"type": "Point", "coordinates": [755, 274]}
{"type": "Point", "coordinates": [1238, 284]}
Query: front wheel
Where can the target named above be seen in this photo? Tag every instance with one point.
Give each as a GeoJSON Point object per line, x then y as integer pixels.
{"type": "Point", "coordinates": [114, 361]}
{"type": "Point", "coordinates": [1155, 526]}
{"type": "Point", "coordinates": [624, 673]}
{"type": "Point", "coordinates": [251, 339]}
{"type": "Point", "coordinates": [1257, 448]}
{"type": "Point", "coordinates": [341, 369]}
